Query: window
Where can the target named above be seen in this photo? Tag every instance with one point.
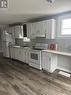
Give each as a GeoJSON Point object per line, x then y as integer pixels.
{"type": "Point", "coordinates": [66, 27]}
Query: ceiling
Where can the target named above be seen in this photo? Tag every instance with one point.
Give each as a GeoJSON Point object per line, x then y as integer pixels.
{"type": "Point", "coordinates": [23, 10]}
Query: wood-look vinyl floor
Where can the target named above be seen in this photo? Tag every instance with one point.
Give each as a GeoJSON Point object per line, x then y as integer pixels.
{"type": "Point", "coordinates": [17, 78]}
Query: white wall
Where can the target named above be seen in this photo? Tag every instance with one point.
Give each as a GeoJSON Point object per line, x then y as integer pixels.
{"type": "Point", "coordinates": [64, 63]}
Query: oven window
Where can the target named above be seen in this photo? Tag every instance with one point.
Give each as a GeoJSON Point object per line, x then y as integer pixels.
{"type": "Point", "coordinates": [34, 56]}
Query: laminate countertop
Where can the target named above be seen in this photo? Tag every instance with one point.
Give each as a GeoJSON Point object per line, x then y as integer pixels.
{"type": "Point", "coordinates": [57, 52]}
{"type": "Point", "coordinates": [19, 46]}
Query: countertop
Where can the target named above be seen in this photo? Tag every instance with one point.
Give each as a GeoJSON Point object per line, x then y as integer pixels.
{"type": "Point", "coordinates": [19, 46]}
{"type": "Point", "coordinates": [49, 51]}
{"type": "Point", "coordinates": [57, 52]}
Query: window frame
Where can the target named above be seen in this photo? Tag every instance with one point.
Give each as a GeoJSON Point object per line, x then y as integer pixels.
{"type": "Point", "coordinates": [59, 26]}
{"type": "Point", "coordinates": [66, 28]}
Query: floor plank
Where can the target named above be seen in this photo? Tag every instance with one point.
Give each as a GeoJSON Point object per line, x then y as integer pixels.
{"type": "Point", "coordinates": [17, 78]}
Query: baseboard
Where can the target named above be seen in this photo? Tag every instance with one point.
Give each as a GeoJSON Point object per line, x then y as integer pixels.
{"type": "Point", "coordinates": [66, 70]}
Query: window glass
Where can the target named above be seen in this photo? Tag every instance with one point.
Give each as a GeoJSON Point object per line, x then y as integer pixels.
{"type": "Point", "coordinates": [66, 27]}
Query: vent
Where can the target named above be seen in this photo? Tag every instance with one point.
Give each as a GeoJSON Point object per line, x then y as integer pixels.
{"type": "Point", "coordinates": [3, 3]}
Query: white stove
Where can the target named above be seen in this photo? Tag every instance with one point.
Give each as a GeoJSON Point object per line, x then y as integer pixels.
{"type": "Point", "coordinates": [35, 56]}
{"type": "Point", "coordinates": [35, 59]}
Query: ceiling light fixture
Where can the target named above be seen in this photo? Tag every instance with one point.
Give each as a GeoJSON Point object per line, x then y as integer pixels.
{"type": "Point", "coordinates": [3, 3]}
{"type": "Point", "coordinates": [50, 1]}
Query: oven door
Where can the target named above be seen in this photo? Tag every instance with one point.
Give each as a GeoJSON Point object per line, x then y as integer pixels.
{"type": "Point", "coordinates": [35, 56]}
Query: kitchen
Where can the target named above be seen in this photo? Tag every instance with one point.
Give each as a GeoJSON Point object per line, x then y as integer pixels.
{"type": "Point", "coordinates": [37, 53]}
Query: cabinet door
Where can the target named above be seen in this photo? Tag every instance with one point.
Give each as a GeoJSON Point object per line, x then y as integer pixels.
{"type": "Point", "coordinates": [50, 29]}
{"type": "Point", "coordinates": [19, 54]}
{"type": "Point", "coordinates": [33, 30]}
{"type": "Point", "coordinates": [12, 53]}
{"type": "Point", "coordinates": [13, 32]}
{"type": "Point", "coordinates": [27, 56]}
{"type": "Point", "coordinates": [22, 55]}
{"type": "Point", "coordinates": [18, 31]}
{"type": "Point", "coordinates": [42, 29]}
{"type": "Point", "coordinates": [46, 28]}
{"type": "Point", "coordinates": [46, 61]}
{"type": "Point", "coordinates": [16, 51]}
{"type": "Point", "coordinates": [38, 32]}
{"type": "Point", "coordinates": [29, 30]}
{"type": "Point", "coordinates": [53, 62]}
{"type": "Point", "coordinates": [37, 29]}
{"type": "Point", "coordinates": [9, 30]}
{"type": "Point", "coordinates": [21, 31]}
{"type": "Point", "coordinates": [49, 61]}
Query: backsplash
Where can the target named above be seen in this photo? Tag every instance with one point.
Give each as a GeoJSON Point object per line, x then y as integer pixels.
{"type": "Point", "coordinates": [22, 43]}
{"type": "Point", "coordinates": [62, 44]}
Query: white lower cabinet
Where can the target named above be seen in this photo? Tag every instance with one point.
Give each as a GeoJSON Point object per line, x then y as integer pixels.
{"type": "Point", "coordinates": [12, 53]}
{"type": "Point", "coordinates": [27, 57]}
{"type": "Point", "coordinates": [16, 53]}
{"type": "Point", "coordinates": [27, 50]}
{"type": "Point", "coordinates": [49, 62]}
{"type": "Point", "coordinates": [21, 54]}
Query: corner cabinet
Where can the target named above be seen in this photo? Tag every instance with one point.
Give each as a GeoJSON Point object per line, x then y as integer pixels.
{"type": "Point", "coordinates": [49, 62]}
{"type": "Point", "coordinates": [44, 28]}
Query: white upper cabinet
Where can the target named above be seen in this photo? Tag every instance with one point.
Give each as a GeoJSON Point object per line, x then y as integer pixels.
{"type": "Point", "coordinates": [29, 30]}
{"type": "Point", "coordinates": [50, 28]}
{"type": "Point", "coordinates": [34, 30]}
{"type": "Point", "coordinates": [41, 29]}
{"type": "Point", "coordinates": [16, 31]}
{"type": "Point", "coordinates": [11, 31]}
{"type": "Point", "coordinates": [19, 31]}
